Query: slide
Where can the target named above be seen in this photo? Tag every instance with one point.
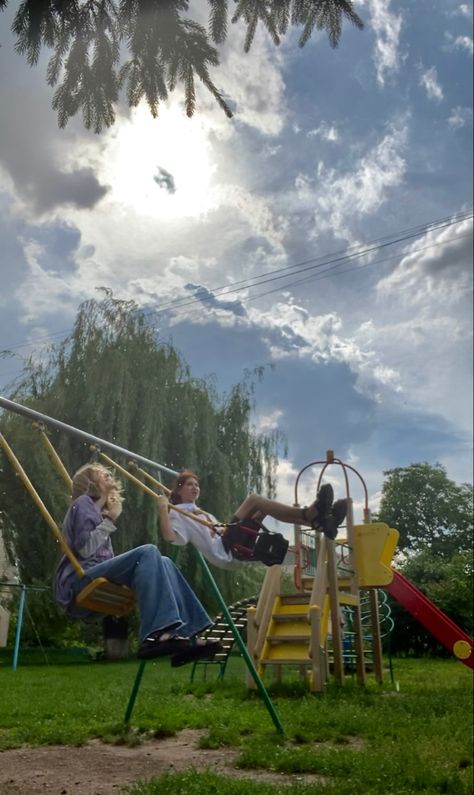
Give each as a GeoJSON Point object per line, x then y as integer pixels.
{"type": "Point", "coordinates": [433, 619]}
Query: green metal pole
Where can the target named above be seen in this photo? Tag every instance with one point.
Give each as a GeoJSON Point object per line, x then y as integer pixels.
{"type": "Point", "coordinates": [133, 694]}
{"type": "Point", "coordinates": [240, 643]}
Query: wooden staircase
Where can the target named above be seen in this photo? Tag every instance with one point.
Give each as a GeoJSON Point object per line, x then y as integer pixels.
{"type": "Point", "coordinates": [289, 632]}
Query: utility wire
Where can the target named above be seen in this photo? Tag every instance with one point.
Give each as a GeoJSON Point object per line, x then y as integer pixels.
{"type": "Point", "coordinates": [339, 256]}
{"type": "Point", "coordinates": [295, 269]}
{"type": "Point", "coordinates": [312, 264]}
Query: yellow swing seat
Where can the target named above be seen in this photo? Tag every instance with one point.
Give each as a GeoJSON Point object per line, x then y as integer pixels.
{"type": "Point", "coordinates": [103, 596]}
{"type": "Point", "coordinates": [100, 595]}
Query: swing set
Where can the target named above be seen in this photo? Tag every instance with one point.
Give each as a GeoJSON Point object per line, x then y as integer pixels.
{"type": "Point", "coordinates": [101, 595]}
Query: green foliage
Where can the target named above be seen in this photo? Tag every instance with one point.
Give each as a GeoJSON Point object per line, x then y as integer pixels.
{"type": "Point", "coordinates": [165, 47]}
{"type": "Point", "coordinates": [449, 585]}
{"type": "Point", "coordinates": [113, 378]}
{"type": "Point", "coordinates": [429, 510]}
{"type": "Point", "coordinates": [433, 515]}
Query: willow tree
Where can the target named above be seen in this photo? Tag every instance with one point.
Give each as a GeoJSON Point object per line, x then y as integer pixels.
{"type": "Point", "coordinates": [148, 48]}
{"type": "Point", "coordinates": [115, 379]}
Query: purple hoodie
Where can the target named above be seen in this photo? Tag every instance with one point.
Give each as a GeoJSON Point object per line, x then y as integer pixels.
{"type": "Point", "coordinates": [88, 535]}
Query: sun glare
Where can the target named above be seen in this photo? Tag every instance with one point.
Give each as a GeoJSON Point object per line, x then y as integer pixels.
{"type": "Point", "coordinates": [160, 167]}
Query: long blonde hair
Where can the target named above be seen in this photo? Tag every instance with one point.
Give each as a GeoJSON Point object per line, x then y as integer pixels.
{"type": "Point", "coordinates": [85, 482]}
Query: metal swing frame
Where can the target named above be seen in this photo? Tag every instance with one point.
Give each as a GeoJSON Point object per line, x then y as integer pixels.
{"type": "Point", "coordinates": [36, 416]}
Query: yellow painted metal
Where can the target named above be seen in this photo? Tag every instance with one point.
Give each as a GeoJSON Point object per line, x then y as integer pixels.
{"type": "Point", "coordinates": [462, 649]}
{"type": "Point", "coordinates": [54, 456]}
{"type": "Point", "coordinates": [111, 600]}
{"type": "Point", "coordinates": [375, 545]}
{"type": "Point", "coordinates": [40, 505]}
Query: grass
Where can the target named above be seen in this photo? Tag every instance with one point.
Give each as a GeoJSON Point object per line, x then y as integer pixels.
{"type": "Point", "coordinates": [359, 740]}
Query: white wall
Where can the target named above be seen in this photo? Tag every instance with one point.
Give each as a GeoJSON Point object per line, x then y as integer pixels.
{"type": "Point", "coordinates": [7, 572]}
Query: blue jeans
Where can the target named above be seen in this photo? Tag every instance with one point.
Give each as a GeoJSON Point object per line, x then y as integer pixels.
{"type": "Point", "coordinates": [165, 600]}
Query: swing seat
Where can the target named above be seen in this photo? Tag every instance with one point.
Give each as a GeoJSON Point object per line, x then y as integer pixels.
{"type": "Point", "coordinates": [103, 596]}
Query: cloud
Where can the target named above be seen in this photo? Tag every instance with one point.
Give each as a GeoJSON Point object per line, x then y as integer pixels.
{"type": "Point", "coordinates": [463, 10]}
{"type": "Point", "coordinates": [42, 161]}
{"type": "Point", "coordinates": [165, 180]}
{"type": "Point", "coordinates": [459, 43]}
{"type": "Point", "coordinates": [253, 82]}
{"type": "Point", "coordinates": [387, 28]}
{"type": "Point", "coordinates": [211, 301]}
{"type": "Point", "coordinates": [442, 271]}
{"type": "Point", "coordinates": [328, 132]}
{"type": "Point", "coordinates": [341, 199]}
{"type": "Point", "coordinates": [429, 81]}
{"type": "Point", "coordinates": [460, 117]}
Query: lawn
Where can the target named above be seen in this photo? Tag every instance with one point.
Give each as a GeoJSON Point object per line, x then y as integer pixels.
{"type": "Point", "coordinates": [410, 738]}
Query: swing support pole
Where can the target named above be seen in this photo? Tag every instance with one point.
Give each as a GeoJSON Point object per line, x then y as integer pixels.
{"type": "Point", "coordinates": [37, 416]}
{"type": "Point", "coordinates": [240, 643]}
{"type": "Point", "coordinates": [19, 625]}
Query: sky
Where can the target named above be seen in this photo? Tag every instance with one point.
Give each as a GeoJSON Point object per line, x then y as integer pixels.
{"type": "Point", "coordinates": [323, 233]}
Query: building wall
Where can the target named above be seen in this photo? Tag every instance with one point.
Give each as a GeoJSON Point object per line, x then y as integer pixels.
{"type": "Point", "coordinates": [7, 574]}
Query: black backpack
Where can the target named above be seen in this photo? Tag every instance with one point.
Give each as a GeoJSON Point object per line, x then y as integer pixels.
{"type": "Point", "coordinates": [250, 540]}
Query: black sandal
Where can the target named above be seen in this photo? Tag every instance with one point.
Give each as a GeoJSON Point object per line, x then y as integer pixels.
{"type": "Point", "coordinates": [153, 647]}
{"type": "Point", "coordinates": [204, 650]}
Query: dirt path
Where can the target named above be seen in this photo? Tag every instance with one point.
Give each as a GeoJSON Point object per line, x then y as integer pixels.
{"type": "Point", "coordinates": [100, 769]}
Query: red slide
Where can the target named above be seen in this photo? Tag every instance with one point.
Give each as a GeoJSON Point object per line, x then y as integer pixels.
{"type": "Point", "coordinates": [433, 619]}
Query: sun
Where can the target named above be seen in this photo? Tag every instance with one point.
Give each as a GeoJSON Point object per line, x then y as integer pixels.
{"type": "Point", "coordinates": [160, 167]}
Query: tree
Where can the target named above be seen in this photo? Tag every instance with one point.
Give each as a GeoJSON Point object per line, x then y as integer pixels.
{"type": "Point", "coordinates": [433, 515]}
{"type": "Point", "coordinates": [115, 379]}
{"type": "Point", "coordinates": [165, 47]}
{"type": "Point", "coordinates": [448, 584]}
{"type": "Point", "coordinates": [430, 511]}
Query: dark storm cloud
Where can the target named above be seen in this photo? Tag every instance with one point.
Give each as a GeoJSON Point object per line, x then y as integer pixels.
{"type": "Point", "coordinates": [320, 406]}
{"type": "Point", "coordinates": [165, 180]}
{"type": "Point", "coordinates": [210, 300]}
{"type": "Point", "coordinates": [33, 147]}
{"type": "Point", "coordinates": [79, 188]}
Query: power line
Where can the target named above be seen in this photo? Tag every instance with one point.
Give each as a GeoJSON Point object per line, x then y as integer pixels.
{"type": "Point", "coordinates": [340, 255]}
{"type": "Point", "coordinates": [295, 269]}
{"type": "Point", "coordinates": [311, 264]}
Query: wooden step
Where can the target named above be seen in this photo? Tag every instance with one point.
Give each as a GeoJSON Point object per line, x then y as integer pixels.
{"type": "Point", "coordinates": [274, 639]}
{"type": "Point", "coordinates": [286, 653]}
{"type": "Point", "coordinates": [294, 598]}
{"type": "Point", "coordinates": [292, 613]}
{"type": "Point", "coordinates": [292, 610]}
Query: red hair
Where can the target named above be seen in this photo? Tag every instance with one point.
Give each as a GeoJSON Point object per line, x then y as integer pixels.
{"type": "Point", "coordinates": [175, 497]}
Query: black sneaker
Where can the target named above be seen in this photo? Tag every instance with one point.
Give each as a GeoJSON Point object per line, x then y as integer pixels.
{"type": "Point", "coordinates": [320, 507]}
{"type": "Point", "coordinates": [334, 518]}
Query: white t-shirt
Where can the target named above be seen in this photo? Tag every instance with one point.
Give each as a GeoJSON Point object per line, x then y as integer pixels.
{"type": "Point", "coordinates": [208, 543]}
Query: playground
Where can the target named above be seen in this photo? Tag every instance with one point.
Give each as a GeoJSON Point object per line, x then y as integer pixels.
{"type": "Point", "coordinates": [301, 696]}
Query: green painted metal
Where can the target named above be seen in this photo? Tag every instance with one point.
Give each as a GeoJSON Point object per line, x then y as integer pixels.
{"type": "Point", "coordinates": [134, 693]}
{"type": "Point", "coordinates": [240, 643]}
